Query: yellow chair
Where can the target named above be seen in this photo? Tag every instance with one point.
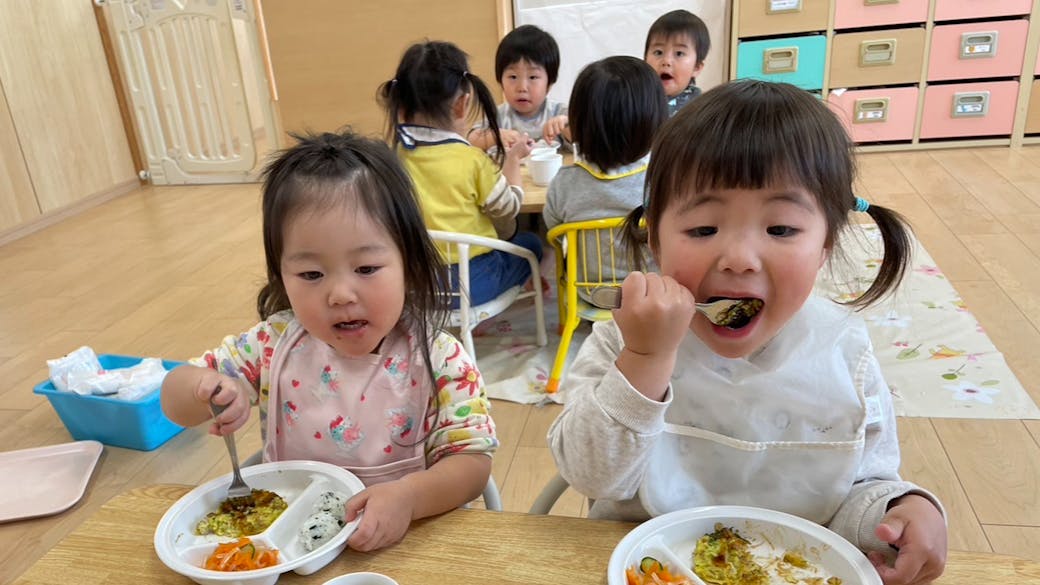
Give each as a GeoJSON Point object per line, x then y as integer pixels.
{"type": "Point", "coordinates": [581, 248]}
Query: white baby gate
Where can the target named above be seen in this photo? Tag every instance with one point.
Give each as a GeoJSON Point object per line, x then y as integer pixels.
{"type": "Point", "coordinates": [182, 74]}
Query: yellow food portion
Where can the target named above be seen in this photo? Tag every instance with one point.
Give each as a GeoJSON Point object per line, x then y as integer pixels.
{"type": "Point", "coordinates": [724, 558]}
{"type": "Point", "coordinates": [244, 516]}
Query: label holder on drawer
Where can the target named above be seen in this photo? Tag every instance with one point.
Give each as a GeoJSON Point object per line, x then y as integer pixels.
{"type": "Point", "coordinates": [879, 2]}
{"type": "Point", "coordinates": [979, 45]}
{"type": "Point", "coordinates": [870, 110]}
{"type": "Point", "coordinates": [780, 60]}
{"type": "Point", "coordinates": [970, 104]}
{"type": "Point", "coordinates": [783, 6]}
{"type": "Point", "coordinates": [877, 52]}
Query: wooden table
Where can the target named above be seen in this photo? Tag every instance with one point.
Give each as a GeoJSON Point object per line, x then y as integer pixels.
{"type": "Point", "coordinates": [463, 546]}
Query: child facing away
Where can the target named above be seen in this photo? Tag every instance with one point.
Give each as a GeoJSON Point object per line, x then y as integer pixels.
{"type": "Point", "coordinates": [428, 104]}
{"type": "Point", "coordinates": [526, 65]}
{"type": "Point", "coordinates": [348, 364]}
{"type": "Point", "coordinates": [665, 410]}
{"type": "Point", "coordinates": [616, 107]}
{"type": "Point", "coordinates": [676, 46]}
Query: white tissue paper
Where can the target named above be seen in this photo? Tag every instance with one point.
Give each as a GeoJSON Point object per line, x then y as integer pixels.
{"type": "Point", "coordinates": [81, 372]}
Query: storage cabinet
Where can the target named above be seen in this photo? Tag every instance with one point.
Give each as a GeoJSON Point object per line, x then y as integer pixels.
{"type": "Point", "coordinates": [905, 74]}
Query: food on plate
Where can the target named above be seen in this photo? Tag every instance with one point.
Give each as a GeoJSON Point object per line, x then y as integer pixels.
{"type": "Point", "coordinates": [244, 516]}
{"type": "Point", "coordinates": [724, 557]}
{"type": "Point", "coordinates": [651, 571]}
{"type": "Point", "coordinates": [326, 520]}
{"type": "Point", "coordinates": [241, 555]}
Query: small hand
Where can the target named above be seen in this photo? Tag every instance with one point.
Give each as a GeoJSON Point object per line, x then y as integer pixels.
{"type": "Point", "coordinates": [511, 137]}
{"type": "Point", "coordinates": [519, 150]}
{"type": "Point", "coordinates": [656, 313]}
{"type": "Point", "coordinates": [554, 127]}
{"type": "Point", "coordinates": [388, 514]}
{"type": "Point", "coordinates": [916, 527]}
{"type": "Point", "coordinates": [224, 391]}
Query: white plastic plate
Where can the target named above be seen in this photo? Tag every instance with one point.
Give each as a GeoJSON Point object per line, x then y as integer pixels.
{"type": "Point", "coordinates": [671, 539]}
{"type": "Point", "coordinates": [300, 483]}
{"type": "Point", "coordinates": [45, 480]}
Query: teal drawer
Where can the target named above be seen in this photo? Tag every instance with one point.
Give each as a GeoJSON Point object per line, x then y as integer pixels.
{"type": "Point", "coordinates": [795, 60]}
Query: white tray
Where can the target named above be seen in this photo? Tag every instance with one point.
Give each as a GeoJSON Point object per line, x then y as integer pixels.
{"type": "Point", "coordinates": [45, 480]}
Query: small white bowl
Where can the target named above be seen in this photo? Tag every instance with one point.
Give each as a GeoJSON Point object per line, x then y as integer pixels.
{"type": "Point", "coordinates": [361, 579]}
{"type": "Point", "coordinates": [300, 483]}
{"type": "Point", "coordinates": [542, 151]}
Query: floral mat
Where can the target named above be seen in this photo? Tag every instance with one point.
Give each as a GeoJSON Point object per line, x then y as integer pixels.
{"type": "Point", "coordinates": [935, 356]}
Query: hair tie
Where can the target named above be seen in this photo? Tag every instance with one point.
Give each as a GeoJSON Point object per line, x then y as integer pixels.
{"type": "Point", "coordinates": [393, 82]}
{"type": "Point", "coordinates": [861, 204]}
{"type": "Point", "coordinates": [465, 74]}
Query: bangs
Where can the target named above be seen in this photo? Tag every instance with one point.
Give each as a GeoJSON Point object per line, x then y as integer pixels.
{"type": "Point", "coordinates": [751, 135]}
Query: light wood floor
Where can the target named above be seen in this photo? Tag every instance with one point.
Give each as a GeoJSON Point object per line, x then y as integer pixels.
{"type": "Point", "coordinates": [168, 271]}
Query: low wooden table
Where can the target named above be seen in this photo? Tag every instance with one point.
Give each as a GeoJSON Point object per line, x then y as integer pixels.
{"type": "Point", "coordinates": [463, 546]}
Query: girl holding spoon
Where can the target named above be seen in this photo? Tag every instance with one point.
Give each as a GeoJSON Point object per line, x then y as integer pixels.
{"type": "Point", "coordinates": [748, 189]}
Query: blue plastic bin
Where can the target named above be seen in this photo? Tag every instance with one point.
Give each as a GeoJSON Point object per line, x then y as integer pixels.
{"type": "Point", "coordinates": [134, 424]}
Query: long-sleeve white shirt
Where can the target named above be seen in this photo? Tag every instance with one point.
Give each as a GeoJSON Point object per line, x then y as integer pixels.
{"type": "Point", "coordinates": [804, 425]}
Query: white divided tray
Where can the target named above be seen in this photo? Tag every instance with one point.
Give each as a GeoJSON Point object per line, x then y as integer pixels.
{"type": "Point", "coordinates": [299, 483]}
{"type": "Point", "coordinates": [671, 539]}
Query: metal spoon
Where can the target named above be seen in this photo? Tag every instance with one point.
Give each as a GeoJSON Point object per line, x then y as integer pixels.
{"type": "Point", "coordinates": [723, 312]}
{"type": "Point", "coordinates": [238, 488]}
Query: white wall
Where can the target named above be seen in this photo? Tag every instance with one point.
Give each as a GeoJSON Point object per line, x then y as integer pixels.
{"type": "Point", "coordinates": [591, 30]}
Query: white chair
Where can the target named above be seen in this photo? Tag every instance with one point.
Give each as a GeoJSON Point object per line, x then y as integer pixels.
{"type": "Point", "coordinates": [492, 499]}
{"type": "Point", "coordinates": [550, 493]}
{"type": "Point", "coordinates": [467, 317]}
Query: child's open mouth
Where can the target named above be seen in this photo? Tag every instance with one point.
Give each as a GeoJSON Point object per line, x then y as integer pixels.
{"type": "Point", "coordinates": [739, 314]}
{"type": "Point", "coordinates": [350, 325]}
{"type": "Point", "coordinates": [666, 77]}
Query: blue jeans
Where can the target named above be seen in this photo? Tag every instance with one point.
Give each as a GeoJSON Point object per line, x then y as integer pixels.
{"type": "Point", "coordinates": [495, 272]}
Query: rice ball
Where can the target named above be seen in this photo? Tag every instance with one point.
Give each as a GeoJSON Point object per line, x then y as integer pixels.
{"type": "Point", "coordinates": [331, 502]}
{"type": "Point", "coordinates": [319, 528]}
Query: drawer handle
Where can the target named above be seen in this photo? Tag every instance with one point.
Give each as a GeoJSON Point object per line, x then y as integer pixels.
{"type": "Point", "coordinates": [879, 2]}
{"type": "Point", "coordinates": [870, 110]}
{"type": "Point", "coordinates": [970, 104]}
{"type": "Point", "coordinates": [877, 52]}
{"type": "Point", "coordinates": [783, 6]}
{"type": "Point", "coordinates": [780, 60]}
{"type": "Point", "coordinates": [979, 45]}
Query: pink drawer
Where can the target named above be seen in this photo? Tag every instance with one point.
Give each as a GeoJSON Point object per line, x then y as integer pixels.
{"type": "Point", "coordinates": [969, 109]}
{"type": "Point", "coordinates": [1036, 72]}
{"type": "Point", "coordinates": [958, 9]}
{"type": "Point", "coordinates": [877, 115]}
{"type": "Point", "coordinates": [859, 13]}
{"type": "Point", "coordinates": [978, 49]}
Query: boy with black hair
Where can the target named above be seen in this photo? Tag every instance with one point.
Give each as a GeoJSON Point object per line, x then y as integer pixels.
{"type": "Point", "coordinates": [676, 46]}
{"type": "Point", "coordinates": [526, 65]}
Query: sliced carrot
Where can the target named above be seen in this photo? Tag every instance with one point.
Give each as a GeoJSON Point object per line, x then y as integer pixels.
{"type": "Point", "coordinates": [241, 555]}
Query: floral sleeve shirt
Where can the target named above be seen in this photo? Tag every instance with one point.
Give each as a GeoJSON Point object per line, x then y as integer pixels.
{"type": "Point", "coordinates": [464, 424]}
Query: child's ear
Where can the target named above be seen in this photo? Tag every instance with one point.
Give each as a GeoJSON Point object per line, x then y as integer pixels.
{"type": "Point", "coordinates": [697, 70]}
{"type": "Point", "coordinates": [460, 107]}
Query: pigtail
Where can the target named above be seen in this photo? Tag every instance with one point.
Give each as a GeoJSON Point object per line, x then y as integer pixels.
{"type": "Point", "coordinates": [388, 96]}
{"type": "Point", "coordinates": [490, 111]}
{"type": "Point", "coordinates": [895, 236]}
{"type": "Point", "coordinates": [634, 237]}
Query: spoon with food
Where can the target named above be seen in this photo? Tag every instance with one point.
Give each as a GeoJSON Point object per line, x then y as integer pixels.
{"type": "Point", "coordinates": [731, 313]}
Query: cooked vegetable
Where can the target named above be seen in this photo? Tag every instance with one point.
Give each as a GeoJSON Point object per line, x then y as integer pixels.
{"type": "Point", "coordinates": [243, 516]}
{"type": "Point", "coordinates": [241, 555]}
{"type": "Point", "coordinates": [651, 572]}
{"type": "Point", "coordinates": [723, 557]}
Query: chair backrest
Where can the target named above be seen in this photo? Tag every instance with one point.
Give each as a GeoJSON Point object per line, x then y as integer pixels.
{"type": "Point", "coordinates": [457, 248]}
{"type": "Point", "coordinates": [592, 252]}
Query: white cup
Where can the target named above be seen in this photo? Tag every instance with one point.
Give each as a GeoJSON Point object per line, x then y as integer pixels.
{"type": "Point", "coordinates": [544, 167]}
{"type": "Point", "coordinates": [361, 579]}
{"type": "Point", "coordinates": [539, 151]}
